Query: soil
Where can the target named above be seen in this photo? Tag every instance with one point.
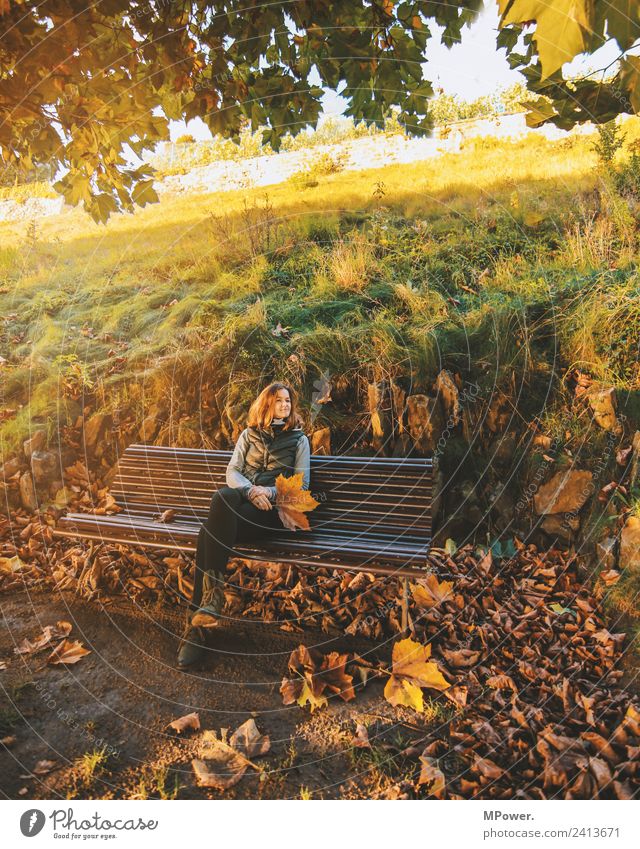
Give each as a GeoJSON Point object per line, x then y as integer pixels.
{"type": "Point", "coordinates": [119, 699]}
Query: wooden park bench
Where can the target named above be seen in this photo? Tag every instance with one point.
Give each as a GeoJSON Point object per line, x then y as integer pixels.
{"type": "Point", "coordinates": [374, 513]}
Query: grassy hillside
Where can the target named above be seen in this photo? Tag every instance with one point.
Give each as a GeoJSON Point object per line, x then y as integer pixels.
{"type": "Point", "coordinates": [510, 263]}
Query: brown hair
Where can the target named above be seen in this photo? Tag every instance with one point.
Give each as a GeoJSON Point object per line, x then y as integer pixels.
{"type": "Point", "coordinates": [261, 411]}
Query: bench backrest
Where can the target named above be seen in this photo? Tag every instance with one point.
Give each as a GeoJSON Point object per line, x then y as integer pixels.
{"type": "Point", "coordinates": [373, 494]}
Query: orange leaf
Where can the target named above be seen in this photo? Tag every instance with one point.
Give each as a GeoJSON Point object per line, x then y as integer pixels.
{"type": "Point", "coordinates": [290, 494]}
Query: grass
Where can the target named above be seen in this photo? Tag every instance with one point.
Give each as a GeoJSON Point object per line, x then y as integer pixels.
{"type": "Point", "coordinates": [489, 262]}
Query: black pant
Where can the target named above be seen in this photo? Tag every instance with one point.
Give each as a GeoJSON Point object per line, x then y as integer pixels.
{"type": "Point", "coordinates": [231, 519]}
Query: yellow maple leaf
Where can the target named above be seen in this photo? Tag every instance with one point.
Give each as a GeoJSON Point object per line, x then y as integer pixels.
{"type": "Point", "coordinates": [293, 500]}
{"type": "Point", "coordinates": [432, 592]}
{"type": "Point", "coordinates": [411, 671]}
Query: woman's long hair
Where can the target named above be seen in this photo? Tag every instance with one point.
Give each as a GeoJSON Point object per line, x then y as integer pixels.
{"type": "Point", "coordinates": [261, 411]}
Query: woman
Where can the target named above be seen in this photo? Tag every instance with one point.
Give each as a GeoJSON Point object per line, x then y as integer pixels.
{"type": "Point", "coordinates": [273, 443]}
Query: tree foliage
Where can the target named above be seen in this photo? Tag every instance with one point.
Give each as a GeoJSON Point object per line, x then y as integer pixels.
{"type": "Point", "coordinates": [80, 82]}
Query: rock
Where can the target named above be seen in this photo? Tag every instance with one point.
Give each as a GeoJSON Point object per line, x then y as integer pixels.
{"type": "Point", "coordinates": [566, 492]}
{"type": "Point", "coordinates": [236, 414]}
{"type": "Point", "coordinates": [605, 553]}
{"type": "Point", "coordinates": [602, 400]}
{"type": "Point", "coordinates": [149, 427]}
{"type": "Point", "coordinates": [10, 468]}
{"type": "Point", "coordinates": [35, 443]}
{"type": "Point", "coordinates": [381, 413]}
{"type": "Point", "coordinates": [425, 422]}
{"type": "Point", "coordinates": [499, 413]}
{"type": "Point", "coordinates": [94, 427]}
{"type": "Point", "coordinates": [503, 448]}
{"type": "Point", "coordinates": [43, 465]}
{"type": "Point", "coordinates": [630, 544]}
{"type": "Point", "coordinates": [449, 397]}
{"type": "Point", "coordinates": [399, 398]}
{"type": "Point", "coordinates": [634, 474]}
{"type": "Point", "coordinates": [560, 525]}
{"type": "Point", "coordinates": [321, 441]}
{"type": "Point", "coordinates": [28, 497]}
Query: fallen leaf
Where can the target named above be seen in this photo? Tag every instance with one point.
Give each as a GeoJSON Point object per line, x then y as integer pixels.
{"type": "Point", "coordinates": [11, 565]}
{"type": "Point", "coordinates": [432, 592]}
{"type": "Point", "coordinates": [43, 767]}
{"type": "Point", "coordinates": [188, 722]}
{"type": "Point", "coordinates": [219, 765]}
{"type": "Point", "coordinates": [167, 516]}
{"type": "Point", "coordinates": [8, 741]}
{"type": "Point", "coordinates": [247, 740]}
{"type": "Point", "coordinates": [50, 634]}
{"type": "Point", "coordinates": [69, 651]}
{"type": "Point", "coordinates": [411, 671]}
{"type": "Point", "coordinates": [432, 776]}
{"type": "Point", "coordinates": [610, 577]}
{"type": "Point", "coordinates": [361, 737]}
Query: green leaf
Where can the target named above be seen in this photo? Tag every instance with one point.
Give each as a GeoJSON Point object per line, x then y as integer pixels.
{"type": "Point", "coordinates": [450, 547]}
{"type": "Point", "coordinates": [563, 27]}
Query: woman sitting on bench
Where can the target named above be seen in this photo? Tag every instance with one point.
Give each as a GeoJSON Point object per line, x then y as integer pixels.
{"type": "Point", "coordinates": [273, 443]}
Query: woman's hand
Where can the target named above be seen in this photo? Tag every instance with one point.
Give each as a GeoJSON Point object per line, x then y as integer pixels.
{"type": "Point", "coordinates": [259, 497]}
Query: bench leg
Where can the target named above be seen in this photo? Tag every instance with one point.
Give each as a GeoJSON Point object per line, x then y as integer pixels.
{"type": "Point", "coordinates": [405, 607]}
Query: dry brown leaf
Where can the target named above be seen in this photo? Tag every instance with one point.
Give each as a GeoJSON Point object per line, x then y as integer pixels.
{"type": "Point", "coordinates": [167, 516]}
{"type": "Point", "coordinates": [188, 722]}
{"type": "Point", "coordinates": [461, 658]}
{"type": "Point", "coordinates": [432, 592]}
{"type": "Point", "coordinates": [43, 767]}
{"type": "Point", "coordinates": [69, 651]}
{"type": "Point", "coordinates": [432, 776]}
{"type": "Point", "coordinates": [361, 737]}
{"type": "Point", "coordinates": [50, 634]}
{"type": "Point", "coordinates": [219, 765]}
{"type": "Point", "coordinates": [247, 740]}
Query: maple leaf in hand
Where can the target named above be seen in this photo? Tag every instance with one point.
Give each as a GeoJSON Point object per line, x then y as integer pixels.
{"type": "Point", "coordinates": [293, 500]}
{"type": "Point", "coordinates": [412, 670]}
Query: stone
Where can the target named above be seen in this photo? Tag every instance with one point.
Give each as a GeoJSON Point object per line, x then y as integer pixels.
{"type": "Point", "coordinates": [425, 422]}
{"type": "Point", "coordinates": [94, 428]}
{"type": "Point", "coordinates": [34, 443]}
{"type": "Point", "coordinates": [381, 414]}
{"type": "Point", "coordinates": [28, 497]}
{"type": "Point", "coordinates": [236, 414]}
{"type": "Point", "coordinates": [602, 400]}
{"type": "Point", "coordinates": [321, 441]}
{"type": "Point", "coordinates": [10, 468]}
{"type": "Point", "coordinates": [503, 448]}
{"type": "Point", "coordinates": [449, 395]}
{"type": "Point", "coordinates": [499, 413]}
{"type": "Point", "coordinates": [630, 544]}
{"type": "Point", "coordinates": [149, 428]}
{"type": "Point", "coordinates": [560, 525]}
{"type": "Point", "coordinates": [566, 492]}
{"type": "Point", "coordinates": [606, 553]}
{"type": "Point", "coordinates": [634, 474]}
{"type": "Point", "coordinates": [43, 465]}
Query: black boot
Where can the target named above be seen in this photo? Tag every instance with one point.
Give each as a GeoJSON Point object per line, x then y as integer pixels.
{"type": "Point", "coordinates": [193, 647]}
{"type": "Point", "coordinates": [208, 613]}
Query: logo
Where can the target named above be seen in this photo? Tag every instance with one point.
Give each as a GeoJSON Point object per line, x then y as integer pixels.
{"type": "Point", "coordinates": [32, 822]}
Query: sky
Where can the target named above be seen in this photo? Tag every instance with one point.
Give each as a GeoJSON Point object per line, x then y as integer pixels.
{"type": "Point", "coordinates": [469, 70]}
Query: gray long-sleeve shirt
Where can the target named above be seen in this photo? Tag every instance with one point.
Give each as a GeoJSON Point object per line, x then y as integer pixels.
{"type": "Point", "coordinates": [236, 478]}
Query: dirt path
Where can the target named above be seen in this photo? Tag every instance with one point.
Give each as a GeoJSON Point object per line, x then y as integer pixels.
{"type": "Point", "coordinates": [123, 694]}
